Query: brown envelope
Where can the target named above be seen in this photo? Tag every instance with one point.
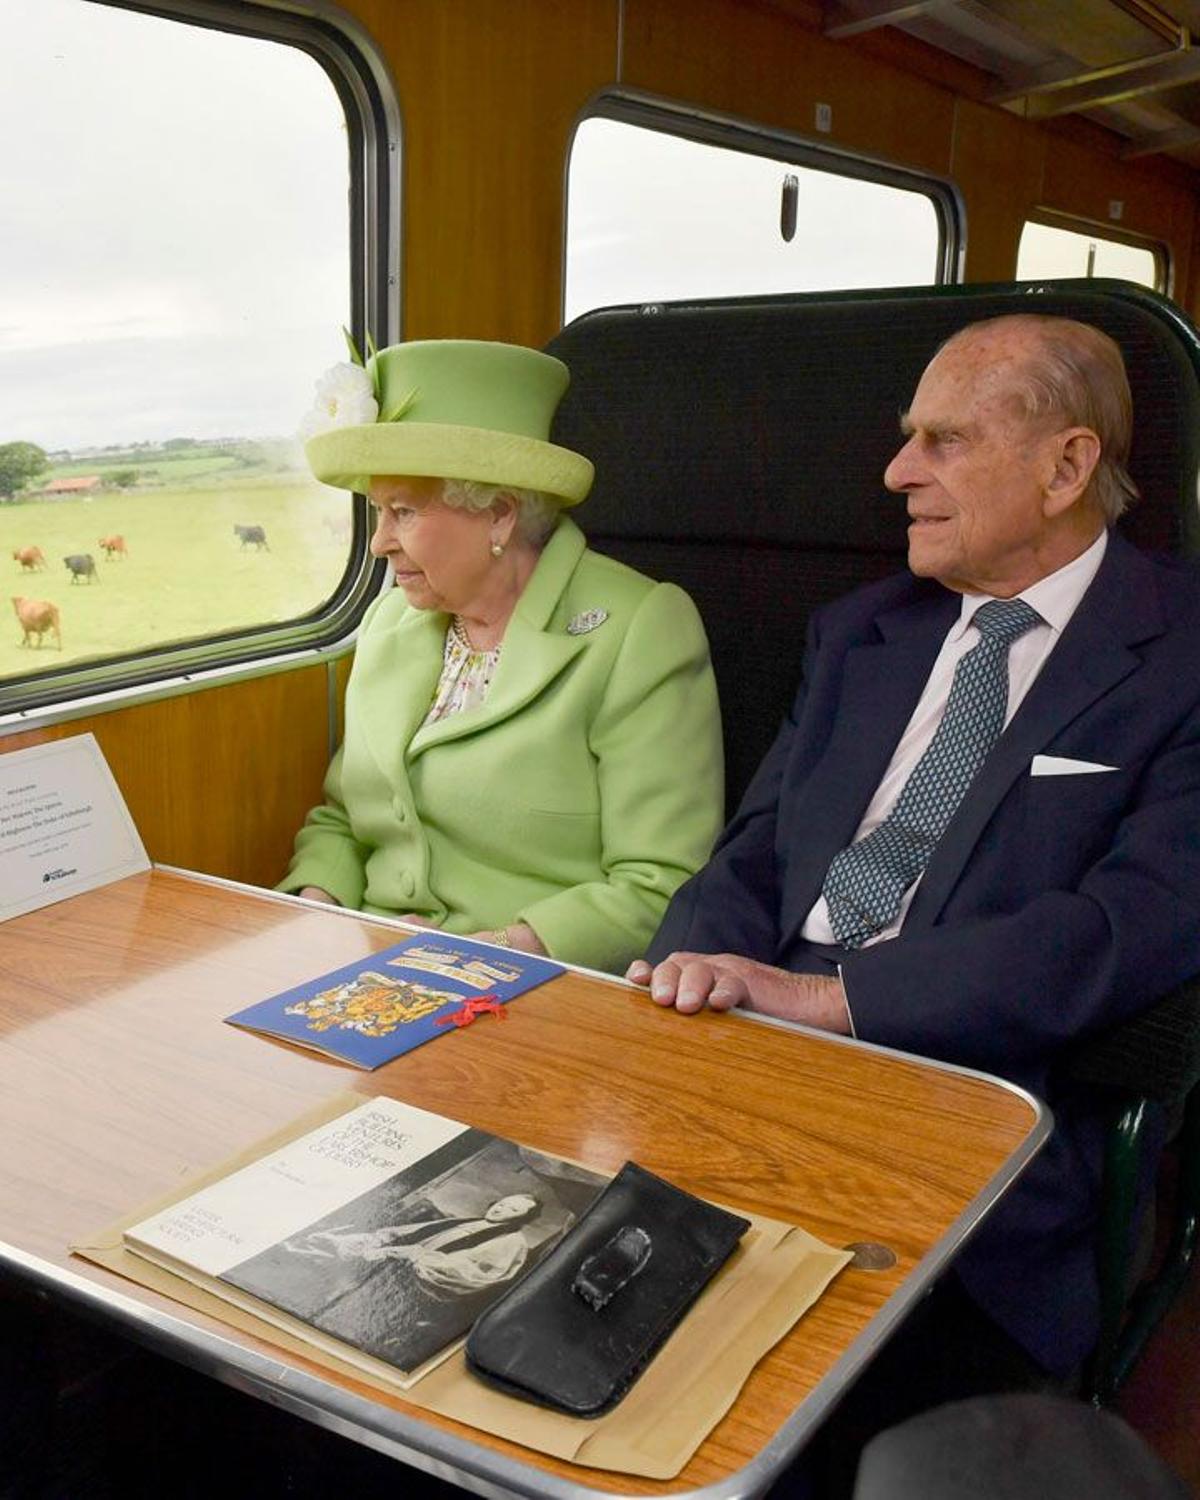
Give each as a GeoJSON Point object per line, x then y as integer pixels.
{"type": "Point", "coordinates": [777, 1273]}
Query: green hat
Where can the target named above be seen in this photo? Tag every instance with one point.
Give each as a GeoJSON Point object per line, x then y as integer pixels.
{"type": "Point", "coordinates": [446, 409]}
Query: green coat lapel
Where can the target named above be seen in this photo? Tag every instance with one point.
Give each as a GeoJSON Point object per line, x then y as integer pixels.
{"type": "Point", "coordinates": [395, 676]}
{"type": "Point", "coordinates": [533, 655]}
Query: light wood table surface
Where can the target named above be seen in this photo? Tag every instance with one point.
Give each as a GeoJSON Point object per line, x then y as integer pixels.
{"type": "Point", "coordinates": [118, 1081]}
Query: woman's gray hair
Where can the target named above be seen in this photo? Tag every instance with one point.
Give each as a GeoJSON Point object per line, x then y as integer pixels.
{"type": "Point", "coordinates": [537, 513]}
{"type": "Point", "coordinates": [1075, 374]}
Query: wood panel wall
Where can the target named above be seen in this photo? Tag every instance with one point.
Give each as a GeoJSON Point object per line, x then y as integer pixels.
{"type": "Point", "coordinates": [218, 779]}
{"type": "Point", "coordinates": [490, 91]}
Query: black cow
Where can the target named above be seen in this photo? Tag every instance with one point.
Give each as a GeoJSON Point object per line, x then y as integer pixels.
{"type": "Point", "coordinates": [81, 565]}
{"type": "Point", "coordinates": [253, 534]}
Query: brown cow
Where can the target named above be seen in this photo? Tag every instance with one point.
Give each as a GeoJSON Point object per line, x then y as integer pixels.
{"type": "Point", "coordinates": [114, 546]}
{"type": "Point", "coordinates": [30, 558]}
{"type": "Point", "coordinates": [37, 616]}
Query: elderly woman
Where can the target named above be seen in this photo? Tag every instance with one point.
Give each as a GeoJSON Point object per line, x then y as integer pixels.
{"type": "Point", "coordinates": [532, 751]}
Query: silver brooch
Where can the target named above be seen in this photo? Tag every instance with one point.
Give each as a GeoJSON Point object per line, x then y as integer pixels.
{"type": "Point", "coordinates": [587, 620]}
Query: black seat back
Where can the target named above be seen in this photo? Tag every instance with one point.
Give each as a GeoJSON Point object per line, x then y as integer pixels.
{"type": "Point", "coordinates": [740, 446]}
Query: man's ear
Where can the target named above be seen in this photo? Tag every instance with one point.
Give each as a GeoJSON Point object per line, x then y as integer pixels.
{"type": "Point", "coordinates": [1076, 452]}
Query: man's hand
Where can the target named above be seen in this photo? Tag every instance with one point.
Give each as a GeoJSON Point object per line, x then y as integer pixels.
{"type": "Point", "coordinates": [690, 981]}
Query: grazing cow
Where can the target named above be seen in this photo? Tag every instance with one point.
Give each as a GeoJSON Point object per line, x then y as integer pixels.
{"type": "Point", "coordinates": [81, 565]}
{"type": "Point", "coordinates": [255, 534]}
{"type": "Point", "coordinates": [114, 546]}
{"type": "Point", "coordinates": [30, 558]}
{"type": "Point", "coordinates": [36, 617]}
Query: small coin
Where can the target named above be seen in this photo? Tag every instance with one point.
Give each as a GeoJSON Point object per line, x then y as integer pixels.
{"type": "Point", "coordinates": [869, 1256]}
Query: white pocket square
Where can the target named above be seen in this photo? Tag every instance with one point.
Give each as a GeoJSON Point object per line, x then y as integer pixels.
{"type": "Point", "coordinates": [1063, 765]}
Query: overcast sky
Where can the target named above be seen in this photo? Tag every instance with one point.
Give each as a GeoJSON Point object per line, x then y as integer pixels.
{"type": "Point", "coordinates": [652, 217]}
{"type": "Point", "coordinates": [173, 260]}
{"type": "Point", "coordinates": [173, 250]}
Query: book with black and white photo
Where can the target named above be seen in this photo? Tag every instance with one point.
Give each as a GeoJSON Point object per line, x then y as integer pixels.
{"type": "Point", "coordinates": [378, 1237]}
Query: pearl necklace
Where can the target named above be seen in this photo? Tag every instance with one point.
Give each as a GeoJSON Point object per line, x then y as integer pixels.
{"type": "Point", "coordinates": [459, 632]}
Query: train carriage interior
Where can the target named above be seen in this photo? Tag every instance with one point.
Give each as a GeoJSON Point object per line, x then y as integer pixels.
{"type": "Point", "coordinates": [744, 225]}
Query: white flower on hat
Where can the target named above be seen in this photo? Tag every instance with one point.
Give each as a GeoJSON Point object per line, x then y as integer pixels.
{"type": "Point", "coordinates": [345, 398]}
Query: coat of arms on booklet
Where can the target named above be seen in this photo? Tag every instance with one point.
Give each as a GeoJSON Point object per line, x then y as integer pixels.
{"type": "Point", "coordinates": [381, 1006]}
{"type": "Point", "coordinates": [378, 1237]}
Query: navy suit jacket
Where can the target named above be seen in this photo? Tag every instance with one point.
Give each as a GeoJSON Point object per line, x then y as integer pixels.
{"type": "Point", "coordinates": [1052, 907]}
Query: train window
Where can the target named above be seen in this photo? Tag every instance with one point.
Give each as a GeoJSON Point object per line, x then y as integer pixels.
{"type": "Point", "coordinates": [655, 215]}
{"type": "Point", "coordinates": [1054, 250]}
{"type": "Point", "coordinates": [185, 235]}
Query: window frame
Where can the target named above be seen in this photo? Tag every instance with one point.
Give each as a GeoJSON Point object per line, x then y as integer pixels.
{"type": "Point", "coordinates": [359, 75]}
{"type": "Point", "coordinates": [1105, 230]}
{"type": "Point", "coordinates": [736, 133]}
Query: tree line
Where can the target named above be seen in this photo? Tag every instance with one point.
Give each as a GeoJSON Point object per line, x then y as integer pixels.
{"type": "Point", "coordinates": [19, 463]}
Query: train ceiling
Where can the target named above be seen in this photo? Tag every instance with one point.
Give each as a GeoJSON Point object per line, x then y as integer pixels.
{"type": "Point", "coordinates": [1132, 66]}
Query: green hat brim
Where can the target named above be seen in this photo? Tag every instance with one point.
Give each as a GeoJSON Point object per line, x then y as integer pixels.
{"type": "Point", "coordinates": [350, 457]}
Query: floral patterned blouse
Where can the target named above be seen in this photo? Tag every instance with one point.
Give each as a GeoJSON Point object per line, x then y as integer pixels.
{"type": "Point", "coordinates": [466, 675]}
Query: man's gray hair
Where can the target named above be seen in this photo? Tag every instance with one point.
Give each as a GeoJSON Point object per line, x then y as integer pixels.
{"type": "Point", "coordinates": [537, 513]}
{"type": "Point", "coordinates": [1076, 375]}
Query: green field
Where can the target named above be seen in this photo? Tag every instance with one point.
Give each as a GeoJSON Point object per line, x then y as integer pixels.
{"type": "Point", "coordinates": [157, 465]}
{"type": "Point", "coordinates": [153, 470]}
{"type": "Point", "coordinates": [186, 575]}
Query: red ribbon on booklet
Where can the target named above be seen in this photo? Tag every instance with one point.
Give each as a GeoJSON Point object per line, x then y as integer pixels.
{"type": "Point", "coordinates": [482, 1005]}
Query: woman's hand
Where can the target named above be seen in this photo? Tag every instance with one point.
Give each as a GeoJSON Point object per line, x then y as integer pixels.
{"type": "Point", "coordinates": [520, 936]}
{"type": "Point", "coordinates": [316, 893]}
{"type": "Point", "coordinates": [388, 1252]}
{"type": "Point", "coordinates": [415, 921]}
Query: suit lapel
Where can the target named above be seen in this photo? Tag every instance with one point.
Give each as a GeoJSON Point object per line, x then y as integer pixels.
{"type": "Point", "coordinates": [1120, 609]}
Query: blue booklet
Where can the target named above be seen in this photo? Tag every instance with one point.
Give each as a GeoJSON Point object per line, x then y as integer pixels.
{"type": "Point", "coordinates": [392, 1001]}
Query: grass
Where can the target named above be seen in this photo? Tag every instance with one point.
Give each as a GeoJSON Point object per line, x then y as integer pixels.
{"type": "Point", "coordinates": [179, 466]}
{"type": "Point", "coordinates": [160, 470]}
{"type": "Point", "coordinates": [186, 575]}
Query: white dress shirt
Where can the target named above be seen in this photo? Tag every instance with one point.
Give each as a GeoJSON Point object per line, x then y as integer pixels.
{"type": "Point", "coordinates": [1056, 599]}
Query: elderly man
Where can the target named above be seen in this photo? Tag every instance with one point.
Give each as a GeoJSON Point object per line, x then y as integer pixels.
{"type": "Point", "coordinates": [977, 836]}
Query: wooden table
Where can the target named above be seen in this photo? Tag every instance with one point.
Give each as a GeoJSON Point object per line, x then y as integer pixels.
{"type": "Point", "coordinates": [117, 1080]}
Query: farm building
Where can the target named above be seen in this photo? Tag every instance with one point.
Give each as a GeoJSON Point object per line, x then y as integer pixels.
{"type": "Point", "coordinates": [79, 484]}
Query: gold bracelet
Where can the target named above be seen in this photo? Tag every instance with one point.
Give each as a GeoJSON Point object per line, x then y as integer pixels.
{"type": "Point", "coordinates": [501, 938]}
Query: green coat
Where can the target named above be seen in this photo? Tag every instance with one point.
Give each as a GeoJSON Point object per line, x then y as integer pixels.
{"type": "Point", "coordinates": [577, 797]}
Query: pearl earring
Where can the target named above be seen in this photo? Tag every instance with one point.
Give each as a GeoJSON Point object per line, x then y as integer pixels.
{"type": "Point", "coordinates": [497, 549]}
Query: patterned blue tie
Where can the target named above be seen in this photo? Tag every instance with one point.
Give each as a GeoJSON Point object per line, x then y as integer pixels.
{"type": "Point", "coordinates": [866, 882]}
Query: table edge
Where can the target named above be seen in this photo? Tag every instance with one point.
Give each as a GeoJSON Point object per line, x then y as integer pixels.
{"type": "Point", "coordinates": [458, 1459]}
